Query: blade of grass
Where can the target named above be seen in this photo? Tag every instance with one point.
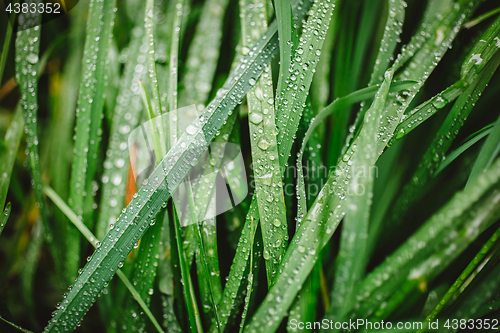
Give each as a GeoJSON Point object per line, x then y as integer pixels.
{"type": "Point", "coordinates": [144, 274]}
{"type": "Point", "coordinates": [425, 110]}
{"type": "Point", "coordinates": [265, 159]}
{"type": "Point", "coordinates": [203, 54]}
{"type": "Point", "coordinates": [5, 217]}
{"type": "Point", "coordinates": [11, 145]}
{"type": "Point", "coordinates": [465, 275]}
{"type": "Point", "coordinates": [488, 152]}
{"type": "Point", "coordinates": [283, 13]}
{"type": "Point", "coordinates": [128, 109]}
{"type": "Point", "coordinates": [481, 18]}
{"type": "Point", "coordinates": [352, 256]}
{"type": "Point", "coordinates": [27, 56]}
{"type": "Point", "coordinates": [82, 228]}
{"type": "Point", "coordinates": [6, 41]}
{"type": "Point", "coordinates": [88, 123]}
{"type": "Point", "coordinates": [457, 152]}
{"type": "Point", "coordinates": [19, 328]}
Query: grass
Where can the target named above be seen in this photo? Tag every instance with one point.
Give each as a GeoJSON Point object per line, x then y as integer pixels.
{"type": "Point", "coordinates": [369, 135]}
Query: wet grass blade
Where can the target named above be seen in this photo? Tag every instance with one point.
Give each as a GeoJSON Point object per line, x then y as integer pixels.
{"type": "Point", "coordinates": [457, 152]}
{"type": "Point", "coordinates": [488, 152]}
{"type": "Point", "coordinates": [265, 158]}
{"type": "Point", "coordinates": [445, 300]}
{"type": "Point", "coordinates": [425, 110]}
{"type": "Point", "coordinates": [6, 42]}
{"type": "Point", "coordinates": [352, 256]}
{"type": "Point", "coordinates": [27, 56]}
{"type": "Point", "coordinates": [71, 215]}
{"type": "Point", "coordinates": [144, 274]}
{"type": "Point", "coordinates": [203, 54]}
{"type": "Point", "coordinates": [128, 111]}
{"type": "Point", "coordinates": [88, 124]}
{"type": "Point", "coordinates": [5, 217]}
{"type": "Point", "coordinates": [291, 99]}
{"type": "Point", "coordinates": [11, 145]}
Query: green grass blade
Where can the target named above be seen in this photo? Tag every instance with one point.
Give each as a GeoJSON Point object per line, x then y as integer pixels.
{"type": "Point", "coordinates": [483, 51]}
{"type": "Point", "coordinates": [479, 295]}
{"type": "Point", "coordinates": [481, 18]}
{"type": "Point", "coordinates": [465, 274]}
{"type": "Point", "coordinates": [27, 56]}
{"type": "Point", "coordinates": [5, 217]}
{"type": "Point", "coordinates": [151, 63]}
{"type": "Point", "coordinates": [265, 158]}
{"type": "Point", "coordinates": [88, 124]}
{"type": "Point", "coordinates": [283, 12]}
{"type": "Point", "coordinates": [443, 140]}
{"type": "Point", "coordinates": [128, 110]}
{"type": "Point", "coordinates": [19, 328]}
{"type": "Point", "coordinates": [144, 274]}
{"type": "Point", "coordinates": [425, 110]}
{"type": "Point", "coordinates": [457, 152]}
{"type": "Point", "coordinates": [305, 58]}
{"type": "Point", "coordinates": [11, 145]}
{"type": "Point", "coordinates": [6, 42]}
{"type": "Point", "coordinates": [352, 253]}
{"type": "Point", "coordinates": [394, 27]}
{"type": "Point", "coordinates": [71, 215]}
{"type": "Point", "coordinates": [203, 54]}
{"type": "Point", "coordinates": [488, 152]}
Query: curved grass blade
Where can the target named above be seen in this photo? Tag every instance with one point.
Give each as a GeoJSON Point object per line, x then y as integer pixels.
{"type": "Point", "coordinates": [163, 181]}
{"type": "Point", "coordinates": [70, 214]}
{"type": "Point", "coordinates": [128, 109]}
{"type": "Point", "coordinates": [5, 217]}
{"type": "Point", "coordinates": [88, 123]}
{"type": "Point", "coordinates": [19, 328]}
{"type": "Point", "coordinates": [11, 145]}
{"type": "Point", "coordinates": [265, 158]}
{"type": "Point", "coordinates": [457, 152]}
{"type": "Point", "coordinates": [488, 152]}
{"type": "Point", "coordinates": [465, 274]}
{"type": "Point", "coordinates": [425, 110]}
{"type": "Point", "coordinates": [352, 253]}
{"type": "Point", "coordinates": [481, 18]}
